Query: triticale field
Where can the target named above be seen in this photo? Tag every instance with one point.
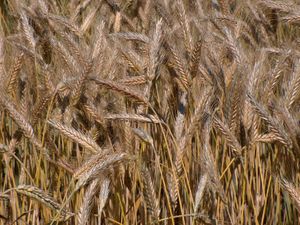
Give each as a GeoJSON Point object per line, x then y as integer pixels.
{"type": "Point", "coordinates": [149, 112]}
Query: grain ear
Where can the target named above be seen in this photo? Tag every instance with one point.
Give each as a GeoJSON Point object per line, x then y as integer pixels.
{"type": "Point", "coordinates": [77, 136]}
{"type": "Point", "coordinates": [149, 194]}
{"type": "Point", "coordinates": [44, 198]}
{"type": "Point", "coordinates": [87, 203]}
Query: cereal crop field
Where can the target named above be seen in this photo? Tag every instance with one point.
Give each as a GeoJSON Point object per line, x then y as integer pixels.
{"type": "Point", "coordinates": [137, 112]}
